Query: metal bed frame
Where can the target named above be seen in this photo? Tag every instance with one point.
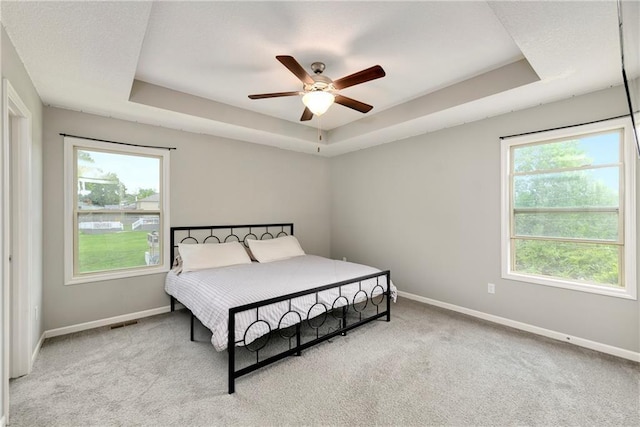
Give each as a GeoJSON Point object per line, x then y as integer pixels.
{"type": "Point", "coordinates": [298, 331]}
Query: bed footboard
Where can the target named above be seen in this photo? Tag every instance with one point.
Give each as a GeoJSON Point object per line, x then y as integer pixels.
{"type": "Point", "coordinates": [338, 308]}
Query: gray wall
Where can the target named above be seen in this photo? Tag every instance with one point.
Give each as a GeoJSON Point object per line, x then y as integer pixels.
{"type": "Point", "coordinates": [428, 208]}
{"type": "Point", "coordinates": [213, 181]}
{"type": "Point", "coordinates": [14, 70]}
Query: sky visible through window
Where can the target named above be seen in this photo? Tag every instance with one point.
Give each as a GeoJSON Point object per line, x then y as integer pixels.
{"type": "Point", "coordinates": [592, 150]}
{"type": "Point", "coordinates": [135, 172]}
{"type": "Point", "coordinates": [604, 149]}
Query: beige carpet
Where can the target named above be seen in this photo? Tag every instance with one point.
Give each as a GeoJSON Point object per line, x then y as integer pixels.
{"type": "Point", "coordinates": [426, 367]}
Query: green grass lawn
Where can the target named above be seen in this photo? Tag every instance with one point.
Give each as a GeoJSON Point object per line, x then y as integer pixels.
{"type": "Point", "coordinates": [97, 252]}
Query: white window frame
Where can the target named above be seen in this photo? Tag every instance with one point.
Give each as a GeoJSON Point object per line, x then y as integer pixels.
{"type": "Point", "coordinates": [627, 208]}
{"type": "Point", "coordinates": [70, 190]}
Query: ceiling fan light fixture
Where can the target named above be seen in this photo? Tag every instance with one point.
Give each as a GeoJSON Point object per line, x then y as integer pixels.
{"type": "Point", "coordinates": [319, 91]}
{"type": "Point", "coordinates": [318, 101]}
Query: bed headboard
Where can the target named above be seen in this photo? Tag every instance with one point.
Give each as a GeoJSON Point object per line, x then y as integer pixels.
{"type": "Point", "coordinates": [226, 233]}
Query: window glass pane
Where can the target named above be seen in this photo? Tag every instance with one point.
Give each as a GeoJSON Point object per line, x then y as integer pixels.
{"type": "Point", "coordinates": [595, 149]}
{"type": "Point", "coordinates": [117, 181]}
{"type": "Point", "coordinates": [575, 261]}
{"type": "Point", "coordinates": [109, 186]}
{"type": "Point", "coordinates": [578, 225]}
{"type": "Point", "coordinates": [581, 188]}
{"type": "Point", "coordinates": [108, 241]}
{"type": "Point", "coordinates": [564, 223]}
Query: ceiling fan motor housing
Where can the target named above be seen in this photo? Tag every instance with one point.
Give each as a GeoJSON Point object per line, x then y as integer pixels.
{"type": "Point", "coordinates": [320, 82]}
{"type": "Point", "coordinates": [323, 84]}
{"type": "Point", "coordinates": [317, 67]}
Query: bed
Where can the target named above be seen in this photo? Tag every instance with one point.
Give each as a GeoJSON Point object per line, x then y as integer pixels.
{"type": "Point", "coordinates": [262, 312]}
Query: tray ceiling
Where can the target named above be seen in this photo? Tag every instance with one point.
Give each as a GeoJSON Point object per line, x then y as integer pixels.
{"type": "Point", "coordinates": [191, 65]}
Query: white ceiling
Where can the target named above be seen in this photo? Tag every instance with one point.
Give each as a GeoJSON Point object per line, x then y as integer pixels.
{"type": "Point", "coordinates": [191, 65]}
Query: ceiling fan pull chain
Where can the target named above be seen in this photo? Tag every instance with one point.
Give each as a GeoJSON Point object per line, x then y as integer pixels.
{"type": "Point", "coordinates": [319, 133]}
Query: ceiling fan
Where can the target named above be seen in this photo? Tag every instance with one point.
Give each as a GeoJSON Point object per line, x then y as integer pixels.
{"type": "Point", "coordinates": [319, 92]}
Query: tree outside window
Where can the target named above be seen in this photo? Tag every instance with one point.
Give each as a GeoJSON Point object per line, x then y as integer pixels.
{"type": "Point", "coordinates": [565, 210]}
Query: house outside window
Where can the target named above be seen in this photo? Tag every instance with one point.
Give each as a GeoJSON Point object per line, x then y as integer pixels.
{"type": "Point", "coordinates": [116, 210]}
{"type": "Point", "coordinates": [568, 209]}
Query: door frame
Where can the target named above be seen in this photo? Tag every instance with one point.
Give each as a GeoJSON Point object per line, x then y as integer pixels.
{"type": "Point", "coordinates": [17, 250]}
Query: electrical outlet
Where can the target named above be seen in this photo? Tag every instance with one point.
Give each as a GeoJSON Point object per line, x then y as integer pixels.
{"type": "Point", "coordinates": [344, 258]}
{"type": "Point", "coordinates": [491, 288]}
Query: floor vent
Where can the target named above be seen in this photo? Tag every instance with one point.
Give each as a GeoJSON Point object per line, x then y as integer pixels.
{"type": "Point", "coordinates": [120, 325]}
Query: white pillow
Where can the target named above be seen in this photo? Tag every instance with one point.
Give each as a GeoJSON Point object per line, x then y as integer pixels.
{"type": "Point", "coordinates": [212, 255]}
{"type": "Point", "coordinates": [275, 249]}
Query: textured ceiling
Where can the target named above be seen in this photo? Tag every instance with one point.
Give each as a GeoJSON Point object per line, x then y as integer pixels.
{"type": "Point", "coordinates": [191, 65]}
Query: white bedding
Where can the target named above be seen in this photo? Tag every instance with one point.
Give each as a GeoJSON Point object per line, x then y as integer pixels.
{"type": "Point", "coordinates": [209, 294]}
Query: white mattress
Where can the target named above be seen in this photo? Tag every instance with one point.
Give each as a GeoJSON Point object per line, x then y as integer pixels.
{"type": "Point", "coordinates": [209, 294]}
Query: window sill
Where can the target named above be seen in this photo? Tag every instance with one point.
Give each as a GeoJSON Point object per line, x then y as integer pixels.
{"type": "Point", "coordinates": [102, 277]}
{"type": "Point", "coordinates": [581, 287]}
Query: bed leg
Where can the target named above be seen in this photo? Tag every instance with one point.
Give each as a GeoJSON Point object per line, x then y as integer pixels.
{"type": "Point", "coordinates": [298, 341]}
{"type": "Point", "coordinates": [344, 321]}
{"type": "Point", "coordinates": [173, 304]}
{"type": "Point", "coordinates": [231, 347]}
{"type": "Point", "coordinates": [389, 297]}
{"type": "Point", "coordinates": [192, 316]}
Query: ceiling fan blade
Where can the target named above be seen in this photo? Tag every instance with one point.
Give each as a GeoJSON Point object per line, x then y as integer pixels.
{"type": "Point", "coordinates": [369, 74]}
{"type": "Point", "coordinates": [353, 104]}
{"type": "Point", "coordinates": [273, 95]}
{"type": "Point", "coordinates": [306, 115]}
{"type": "Point", "coordinates": [295, 68]}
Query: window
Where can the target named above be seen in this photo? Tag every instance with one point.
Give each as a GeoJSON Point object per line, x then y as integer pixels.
{"type": "Point", "coordinates": [568, 209]}
{"type": "Point", "coordinates": [116, 204]}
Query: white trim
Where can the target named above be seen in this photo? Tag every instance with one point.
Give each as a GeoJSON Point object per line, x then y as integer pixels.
{"type": "Point", "coordinates": [630, 220]}
{"type": "Point", "coordinates": [36, 350]}
{"type": "Point", "coordinates": [3, 421]}
{"type": "Point", "coordinates": [69, 212]}
{"type": "Point", "coordinates": [20, 324]}
{"type": "Point", "coordinates": [105, 322]}
{"type": "Point", "coordinates": [628, 208]}
{"type": "Point", "coordinates": [629, 293]}
{"type": "Point", "coordinates": [581, 342]}
{"type": "Point", "coordinates": [4, 252]}
{"type": "Point", "coordinates": [120, 274]}
{"type": "Point", "coordinates": [17, 359]}
{"type": "Point", "coordinates": [505, 209]}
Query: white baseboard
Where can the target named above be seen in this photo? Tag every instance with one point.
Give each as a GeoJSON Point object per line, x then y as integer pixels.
{"type": "Point", "coordinates": [105, 322]}
{"type": "Point", "coordinates": [36, 351]}
{"type": "Point", "coordinates": [3, 421]}
{"type": "Point", "coordinates": [593, 345]}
